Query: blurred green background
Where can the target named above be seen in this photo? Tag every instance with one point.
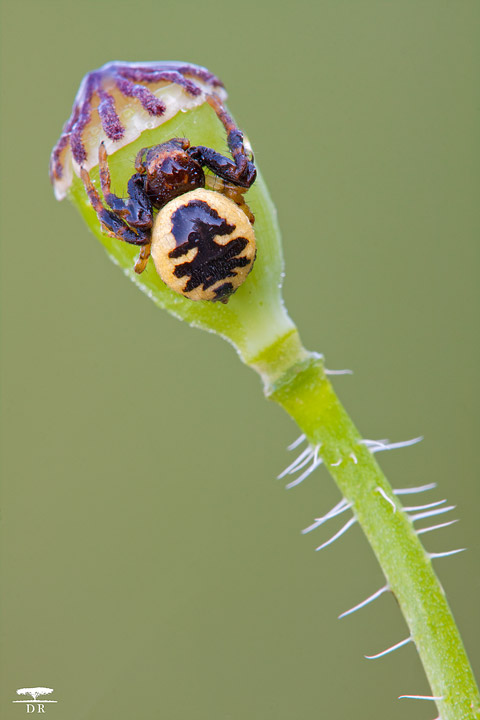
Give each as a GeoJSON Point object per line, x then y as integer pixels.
{"type": "Point", "coordinates": [153, 566]}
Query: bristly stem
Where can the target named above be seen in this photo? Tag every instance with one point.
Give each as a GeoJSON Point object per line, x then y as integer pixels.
{"type": "Point", "coordinates": [304, 391]}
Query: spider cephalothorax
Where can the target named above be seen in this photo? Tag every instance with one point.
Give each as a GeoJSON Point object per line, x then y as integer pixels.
{"type": "Point", "coordinates": [216, 258]}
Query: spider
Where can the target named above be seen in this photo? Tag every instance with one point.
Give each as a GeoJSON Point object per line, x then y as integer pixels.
{"type": "Point", "coordinates": [218, 232]}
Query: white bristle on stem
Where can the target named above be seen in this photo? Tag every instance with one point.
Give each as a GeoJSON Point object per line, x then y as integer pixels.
{"type": "Point", "coordinates": [297, 442]}
{"type": "Point", "coordinates": [379, 446]}
{"type": "Point", "coordinates": [432, 556]}
{"type": "Point", "coordinates": [414, 490]}
{"type": "Point", "coordinates": [365, 602]}
{"type": "Point", "coordinates": [338, 534]}
{"type": "Point", "coordinates": [421, 697]}
{"type": "Point", "coordinates": [385, 497]}
{"type": "Point", "coordinates": [317, 461]}
{"type": "Point", "coordinates": [298, 463]}
{"type": "Point", "coordinates": [390, 649]}
{"type": "Point", "coordinates": [422, 531]}
{"type": "Point", "coordinates": [414, 508]}
{"type": "Point", "coordinates": [338, 372]}
{"type": "Point", "coordinates": [431, 513]}
{"type": "Point", "coordinates": [339, 508]}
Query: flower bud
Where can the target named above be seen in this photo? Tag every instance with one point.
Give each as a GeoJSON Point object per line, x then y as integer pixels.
{"type": "Point", "coordinates": [122, 108]}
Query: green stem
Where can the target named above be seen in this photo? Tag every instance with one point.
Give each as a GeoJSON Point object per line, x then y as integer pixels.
{"type": "Point", "coordinates": [298, 383]}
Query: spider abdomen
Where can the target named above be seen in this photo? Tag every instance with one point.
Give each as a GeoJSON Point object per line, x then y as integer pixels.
{"type": "Point", "coordinates": [203, 245]}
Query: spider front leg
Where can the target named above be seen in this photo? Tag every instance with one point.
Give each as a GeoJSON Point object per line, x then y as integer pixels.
{"type": "Point", "coordinates": [224, 167]}
{"type": "Point", "coordinates": [115, 226]}
{"type": "Point", "coordinates": [137, 209]}
{"type": "Point", "coordinates": [234, 140]}
{"type": "Point", "coordinates": [241, 171]}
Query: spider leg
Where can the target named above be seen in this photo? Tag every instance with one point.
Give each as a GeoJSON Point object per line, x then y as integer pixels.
{"type": "Point", "coordinates": [241, 171]}
{"type": "Point", "coordinates": [137, 209]}
{"type": "Point", "coordinates": [140, 159]}
{"type": "Point", "coordinates": [224, 167]}
{"type": "Point", "coordinates": [142, 259]}
{"type": "Point", "coordinates": [235, 193]}
{"type": "Point", "coordinates": [112, 223]}
{"type": "Point", "coordinates": [234, 135]}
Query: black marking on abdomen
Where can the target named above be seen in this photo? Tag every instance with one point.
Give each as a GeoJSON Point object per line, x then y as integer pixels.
{"type": "Point", "coordinates": [223, 291]}
{"type": "Point", "coordinates": [196, 225]}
